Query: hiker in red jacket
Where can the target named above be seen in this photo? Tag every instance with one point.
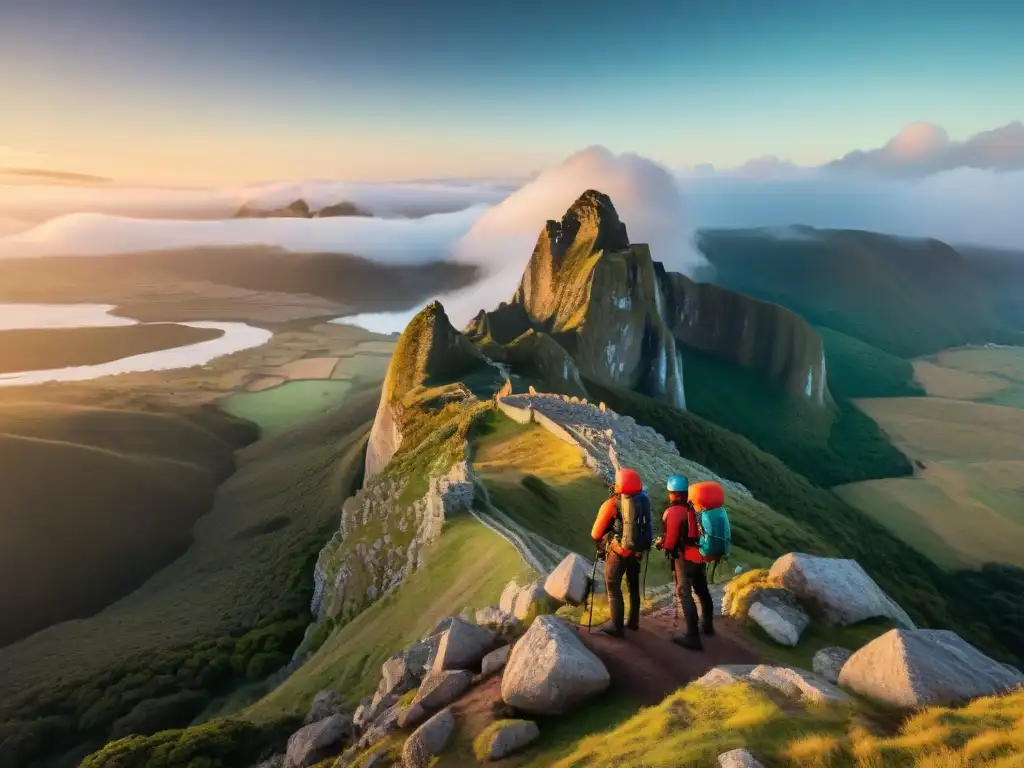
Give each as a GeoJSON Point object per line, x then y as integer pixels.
{"type": "Point", "coordinates": [689, 570]}
{"type": "Point", "coordinates": [623, 530]}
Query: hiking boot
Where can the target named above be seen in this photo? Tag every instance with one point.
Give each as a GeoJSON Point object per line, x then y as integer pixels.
{"type": "Point", "coordinates": [613, 632]}
{"type": "Point", "coordinates": [690, 642]}
{"type": "Point", "coordinates": [708, 630]}
{"type": "Point", "coordinates": [634, 627]}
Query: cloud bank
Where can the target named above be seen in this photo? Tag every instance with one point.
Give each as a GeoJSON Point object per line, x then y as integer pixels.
{"type": "Point", "coordinates": [40, 202]}
{"type": "Point", "coordinates": [922, 149]}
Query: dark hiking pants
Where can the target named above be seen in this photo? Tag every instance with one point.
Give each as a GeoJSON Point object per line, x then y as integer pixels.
{"type": "Point", "coordinates": [692, 578]}
{"type": "Point", "coordinates": [615, 567]}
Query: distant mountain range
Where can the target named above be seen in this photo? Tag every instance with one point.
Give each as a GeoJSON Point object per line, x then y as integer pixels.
{"type": "Point", "coordinates": [299, 209]}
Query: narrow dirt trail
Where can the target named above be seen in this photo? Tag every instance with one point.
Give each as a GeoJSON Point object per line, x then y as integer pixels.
{"type": "Point", "coordinates": [649, 666]}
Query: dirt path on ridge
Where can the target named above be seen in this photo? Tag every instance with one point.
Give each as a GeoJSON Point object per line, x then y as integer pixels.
{"type": "Point", "coordinates": [649, 666]}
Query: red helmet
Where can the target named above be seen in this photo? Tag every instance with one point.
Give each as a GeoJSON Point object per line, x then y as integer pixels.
{"type": "Point", "coordinates": [628, 481]}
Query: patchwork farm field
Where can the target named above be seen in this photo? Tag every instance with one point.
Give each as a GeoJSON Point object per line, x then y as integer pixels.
{"type": "Point", "coordinates": [287, 404]}
{"type": "Point", "coordinates": [965, 504]}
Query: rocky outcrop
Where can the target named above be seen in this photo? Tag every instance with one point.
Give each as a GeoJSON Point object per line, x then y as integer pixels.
{"type": "Point", "coordinates": [429, 352]}
{"type": "Point", "coordinates": [828, 662]}
{"type": "Point", "coordinates": [428, 740]}
{"type": "Point", "coordinates": [463, 646]}
{"type": "Point", "coordinates": [299, 209]}
{"type": "Point", "coordinates": [550, 671]}
{"type": "Point", "coordinates": [840, 589]}
{"type": "Point", "coordinates": [738, 758]}
{"type": "Point", "coordinates": [536, 355]}
{"type": "Point", "coordinates": [779, 614]}
{"type": "Point", "coordinates": [439, 689]}
{"type": "Point", "coordinates": [495, 661]}
{"type": "Point", "coordinates": [796, 684]}
{"type": "Point", "coordinates": [626, 321]}
{"type": "Point", "coordinates": [325, 704]}
{"type": "Point", "coordinates": [917, 668]}
{"type": "Point", "coordinates": [379, 542]}
{"type": "Point", "coordinates": [507, 737]}
{"type": "Point", "coordinates": [570, 581]}
{"type": "Point", "coordinates": [313, 743]}
{"type": "Point", "coordinates": [522, 603]}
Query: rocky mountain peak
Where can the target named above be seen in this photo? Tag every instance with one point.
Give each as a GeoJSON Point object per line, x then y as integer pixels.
{"type": "Point", "coordinates": [591, 220]}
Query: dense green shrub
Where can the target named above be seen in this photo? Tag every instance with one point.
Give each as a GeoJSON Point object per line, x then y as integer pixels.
{"type": "Point", "coordinates": [857, 369]}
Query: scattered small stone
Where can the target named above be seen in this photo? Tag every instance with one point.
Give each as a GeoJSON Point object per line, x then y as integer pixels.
{"type": "Point", "coordinates": [738, 758]}
{"type": "Point", "coordinates": [428, 740]}
{"type": "Point", "coordinates": [509, 737]}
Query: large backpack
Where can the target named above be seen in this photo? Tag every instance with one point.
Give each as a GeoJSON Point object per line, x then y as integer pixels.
{"type": "Point", "coordinates": [637, 528]}
{"type": "Point", "coordinates": [715, 539]}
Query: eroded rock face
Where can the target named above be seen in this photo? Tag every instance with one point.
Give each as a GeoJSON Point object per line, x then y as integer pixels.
{"type": "Point", "coordinates": [550, 671]}
{"type": "Point", "coordinates": [917, 668]}
{"type": "Point", "coordinates": [428, 740]}
{"type": "Point", "coordinates": [570, 581]}
{"type": "Point", "coordinates": [840, 588]}
{"type": "Point", "coordinates": [828, 662]}
{"type": "Point", "coordinates": [313, 743]}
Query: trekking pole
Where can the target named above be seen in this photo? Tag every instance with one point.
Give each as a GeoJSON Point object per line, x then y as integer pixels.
{"type": "Point", "coordinates": [593, 593]}
{"type": "Point", "coordinates": [647, 559]}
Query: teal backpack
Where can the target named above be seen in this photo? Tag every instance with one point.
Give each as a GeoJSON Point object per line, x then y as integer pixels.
{"type": "Point", "coordinates": [715, 542]}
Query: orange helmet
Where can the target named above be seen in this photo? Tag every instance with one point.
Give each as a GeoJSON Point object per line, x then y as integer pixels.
{"type": "Point", "coordinates": [628, 481]}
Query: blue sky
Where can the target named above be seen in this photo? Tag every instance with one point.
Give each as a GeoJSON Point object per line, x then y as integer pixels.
{"type": "Point", "coordinates": [224, 90]}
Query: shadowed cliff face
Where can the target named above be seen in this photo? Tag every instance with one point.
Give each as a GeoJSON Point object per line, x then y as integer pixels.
{"type": "Point", "coordinates": [624, 318]}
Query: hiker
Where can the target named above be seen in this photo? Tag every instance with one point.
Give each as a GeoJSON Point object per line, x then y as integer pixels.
{"type": "Point", "coordinates": [689, 567]}
{"type": "Point", "coordinates": [623, 532]}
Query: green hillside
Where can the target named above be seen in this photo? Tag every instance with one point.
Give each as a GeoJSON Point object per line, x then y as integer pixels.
{"type": "Point", "coordinates": [906, 297]}
{"type": "Point", "coordinates": [230, 609]}
{"type": "Point", "coordinates": [107, 497]}
{"type": "Point", "coordinates": [857, 369]}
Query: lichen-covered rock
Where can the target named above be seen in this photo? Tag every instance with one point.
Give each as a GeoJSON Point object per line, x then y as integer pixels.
{"type": "Point", "coordinates": [550, 671]}
{"type": "Point", "coordinates": [828, 662]}
{"type": "Point", "coordinates": [924, 667]}
{"type": "Point", "coordinates": [570, 581]}
{"type": "Point", "coordinates": [777, 612]}
{"type": "Point", "coordinates": [738, 758]}
{"type": "Point", "coordinates": [428, 740]}
{"type": "Point", "coordinates": [507, 737]}
{"type": "Point", "coordinates": [841, 589]}
{"type": "Point", "coordinates": [463, 645]}
{"type": "Point", "coordinates": [495, 661]}
{"type": "Point", "coordinates": [313, 743]}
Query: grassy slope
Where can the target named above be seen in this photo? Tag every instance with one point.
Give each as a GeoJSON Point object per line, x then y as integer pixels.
{"type": "Point", "coordinates": [857, 369]}
{"type": "Point", "coordinates": [468, 566]}
{"type": "Point", "coordinates": [42, 349]}
{"type": "Point", "coordinates": [230, 608]}
{"type": "Point", "coordinates": [131, 484]}
{"type": "Point", "coordinates": [693, 726]}
{"type": "Point", "coordinates": [911, 578]}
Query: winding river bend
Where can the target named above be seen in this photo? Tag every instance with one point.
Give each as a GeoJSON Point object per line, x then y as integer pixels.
{"type": "Point", "coordinates": [235, 338]}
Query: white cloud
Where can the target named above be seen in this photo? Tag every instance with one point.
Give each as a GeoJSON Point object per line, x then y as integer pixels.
{"type": "Point", "coordinates": [921, 149]}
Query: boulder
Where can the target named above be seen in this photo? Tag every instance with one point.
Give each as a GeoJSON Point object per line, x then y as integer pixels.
{"type": "Point", "coordinates": [440, 689]}
{"type": "Point", "coordinates": [313, 743]}
{"type": "Point", "coordinates": [738, 758]}
{"type": "Point", "coordinates": [428, 740]}
{"type": "Point", "coordinates": [794, 683]}
{"type": "Point", "coordinates": [507, 601]}
{"type": "Point", "coordinates": [362, 714]}
{"type": "Point", "coordinates": [533, 600]}
{"type": "Point", "coordinates": [798, 684]}
{"type": "Point", "coordinates": [777, 612]}
{"type": "Point", "coordinates": [918, 668]}
{"type": "Point", "coordinates": [440, 627]}
{"type": "Point", "coordinates": [463, 645]}
{"type": "Point", "coordinates": [507, 737]}
{"type": "Point", "coordinates": [495, 661]}
{"type": "Point", "coordinates": [550, 671]}
{"type": "Point", "coordinates": [841, 589]}
{"type": "Point", "coordinates": [385, 724]}
{"type": "Point", "coordinates": [325, 704]}
{"type": "Point", "coordinates": [570, 581]}
{"type": "Point", "coordinates": [828, 662]}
